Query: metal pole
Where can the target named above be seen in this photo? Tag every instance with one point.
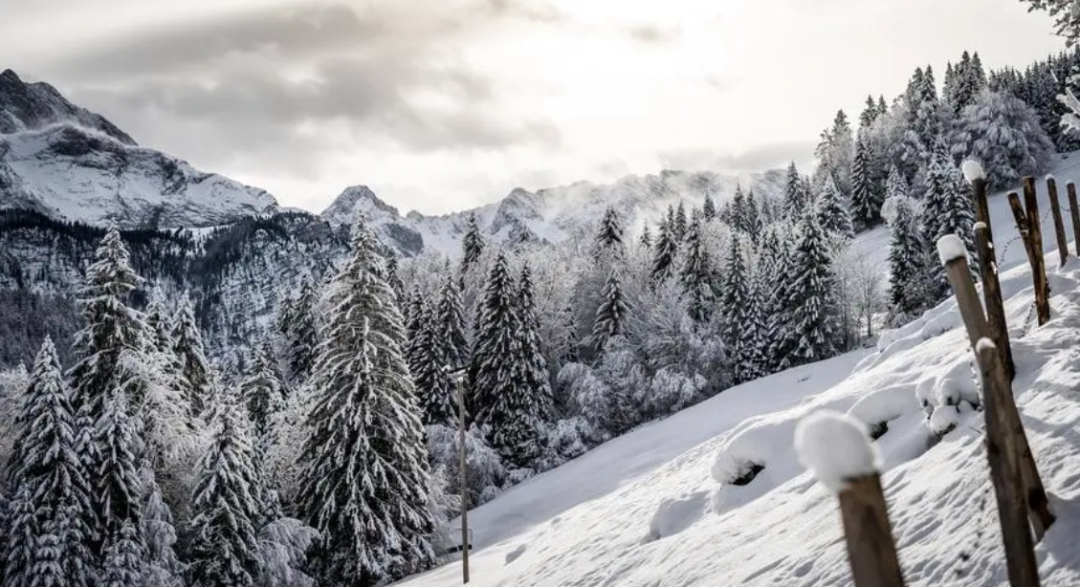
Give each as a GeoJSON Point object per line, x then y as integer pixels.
{"type": "Point", "coordinates": [464, 485]}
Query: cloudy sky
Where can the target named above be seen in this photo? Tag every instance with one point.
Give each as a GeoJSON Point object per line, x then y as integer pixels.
{"type": "Point", "coordinates": [445, 104]}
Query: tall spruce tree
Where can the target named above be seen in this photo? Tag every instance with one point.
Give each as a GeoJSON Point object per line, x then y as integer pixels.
{"type": "Point", "coordinates": [224, 549]}
{"type": "Point", "coordinates": [608, 243]}
{"type": "Point", "coordinates": [532, 362]}
{"type": "Point", "coordinates": [947, 209]}
{"type": "Point", "coordinates": [865, 201]}
{"type": "Point", "coordinates": [124, 559]}
{"type": "Point", "coordinates": [393, 277]}
{"type": "Point", "coordinates": [734, 301]}
{"type": "Point", "coordinates": [451, 319]}
{"type": "Point", "coordinates": [708, 209]}
{"type": "Point", "coordinates": [116, 483]}
{"type": "Point", "coordinates": [304, 333]}
{"type": "Point", "coordinates": [194, 368]}
{"type": "Point", "coordinates": [811, 298]}
{"type": "Point", "coordinates": [679, 226]}
{"type": "Point", "coordinates": [364, 463]}
{"type": "Point", "coordinates": [795, 197]}
{"type": "Point", "coordinates": [502, 398]}
{"type": "Point", "coordinates": [262, 392]}
{"type": "Point", "coordinates": [612, 314]}
{"type": "Point", "coordinates": [51, 546]}
{"type": "Point", "coordinates": [110, 347]}
{"type": "Point", "coordinates": [907, 262]}
{"type": "Point", "coordinates": [664, 254]}
{"type": "Point", "coordinates": [696, 275]}
{"type": "Point", "coordinates": [832, 216]}
{"type": "Point", "coordinates": [472, 244]}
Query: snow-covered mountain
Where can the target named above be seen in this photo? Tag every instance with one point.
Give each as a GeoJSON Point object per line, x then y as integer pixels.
{"type": "Point", "coordinates": [550, 214]}
{"type": "Point", "coordinates": [71, 164]}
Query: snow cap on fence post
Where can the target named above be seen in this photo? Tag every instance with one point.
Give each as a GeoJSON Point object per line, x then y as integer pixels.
{"type": "Point", "coordinates": [951, 247]}
{"type": "Point", "coordinates": [973, 170]}
{"type": "Point", "coordinates": [836, 448]}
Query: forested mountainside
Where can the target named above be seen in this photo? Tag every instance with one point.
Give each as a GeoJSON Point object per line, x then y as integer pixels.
{"type": "Point", "coordinates": [234, 275]}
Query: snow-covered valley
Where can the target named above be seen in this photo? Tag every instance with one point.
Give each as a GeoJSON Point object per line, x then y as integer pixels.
{"type": "Point", "coordinates": [656, 507]}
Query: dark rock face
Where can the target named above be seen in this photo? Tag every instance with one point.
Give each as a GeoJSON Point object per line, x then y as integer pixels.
{"type": "Point", "coordinates": [33, 106]}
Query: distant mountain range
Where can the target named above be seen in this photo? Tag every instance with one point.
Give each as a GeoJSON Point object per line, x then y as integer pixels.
{"type": "Point", "coordinates": [68, 163]}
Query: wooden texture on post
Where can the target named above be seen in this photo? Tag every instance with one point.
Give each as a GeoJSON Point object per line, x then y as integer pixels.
{"type": "Point", "coordinates": [982, 206]}
{"type": "Point", "coordinates": [1038, 264]}
{"type": "Point", "coordinates": [1059, 222]}
{"type": "Point", "coordinates": [1003, 453]}
{"type": "Point", "coordinates": [992, 299]}
{"type": "Point", "coordinates": [1021, 224]}
{"type": "Point", "coordinates": [1034, 493]}
{"type": "Point", "coordinates": [1074, 212]}
{"type": "Point", "coordinates": [870, 545]}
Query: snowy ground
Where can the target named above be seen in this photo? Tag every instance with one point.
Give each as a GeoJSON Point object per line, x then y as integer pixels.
{"type": "Point", "coordinates": [656, 508]}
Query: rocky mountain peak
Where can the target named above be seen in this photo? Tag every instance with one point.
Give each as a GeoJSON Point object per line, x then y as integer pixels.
{"type": "Point", "coordinates": [32, 106]}
{"type": "Point", "coordinates": [355, 200]}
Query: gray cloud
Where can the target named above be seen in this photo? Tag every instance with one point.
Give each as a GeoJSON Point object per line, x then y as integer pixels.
{"type": "Point", "coordinates": [365, 72]}
{"type": "Point", "coordinates": [772, 156]}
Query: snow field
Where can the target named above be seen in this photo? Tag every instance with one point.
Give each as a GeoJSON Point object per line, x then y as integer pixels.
{"type": "Point", "coordinates": [716, 495]}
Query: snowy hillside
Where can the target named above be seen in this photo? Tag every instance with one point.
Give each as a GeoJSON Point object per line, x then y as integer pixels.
{"type": "Point", "coordinates": [658, 506]}
{"type": "Point", "coordinates": [550, 214]}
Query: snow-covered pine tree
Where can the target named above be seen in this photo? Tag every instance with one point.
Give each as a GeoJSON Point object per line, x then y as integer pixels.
{"type": "Point", "coordinates": [393, 276]}
{"type": "Point", "coordinates": [869, 114]}
{"type": "Point", "coordinates": [752, 217]}
{"type": "Point", "coordinates": [947, 209]}
{"type": "Point", "coordinates": [680, 225]}
{"type": "Point", "coordinates": [472, 245]}
{"type": "Point", "coordinates": [262, 392]}
{"type": "Point", "coordinates": [163, 568]}
{"type": "Point", "coordinates": [795, 197]}
{"type": "Point", "coordinates": [116, 483]}
{"type": "Point", "coordinates": [733, 303]}
{"type": "Point", "coordinates": [434, 384]}
{"type": "Point", "coordinates": [664, 254]}
{"type": "Point", "coordinates": [835, 152]}
{"type": "Point", "coordinates": [1003, 133]}
{"type": "Point", "coordinates": [112, 342]}
{"type": "Point", "coordinates": [777, 257]}
{"type": "Point", "coordinates": [696, 275]}
{"type": "Point", "coordinates": [907, 260]}
{"type": "Point", "coordinates": [608, 243]}
{"type": "Point", "coordinates": [502, 398]}
{"type": "Point", "coordinates": [865, 203]}
{"type": "Point", "coordinates": [753, 362]}
{"type": "Point", "coordinates": [532, 363]}
{"type": "Point", "coordinates": [304, 333]}
{"type": "Point", "coordinates": [124, 558]}
{"type": "Point", "coordinates": [48, 475]}
{"type": "Point", "coordinates": [160, 324]}
{"type": "Point", "coordinates": [708, 209]}
{"type": "Point", "coordinates": [364, 463]}
{"type": "Point", "coordinates": [832, 216]}
{"type": "Point", "coordinates": [284, 316]}
{"type": "Point", "coordinates": [224, 550]}
{"type": "Point", "coordinates": [811, 298]}
{"type": "Point", "coordinates": [451, 318]}
{"type": "Point", "coordinates": [414, 310]}
{"type": "Point", "coordinates": [613, 313]}
{"type": "Point", "coordinates": [194, 368]}
{"type": "Point", "coordinates": [569, 343]}
{"type": "Point", "coordinates": [21, 544]}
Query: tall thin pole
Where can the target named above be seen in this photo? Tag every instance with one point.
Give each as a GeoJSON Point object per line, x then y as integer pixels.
{"type": "Point", "coordinates": [464, 484]}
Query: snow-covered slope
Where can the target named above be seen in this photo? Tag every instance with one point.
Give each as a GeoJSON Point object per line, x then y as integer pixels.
{"type": "Point", "coordinates": [550, 214]}
{"type": "Point", "coordinates": [657, 507]}
{"type": "Point", "coordinates": [72, 164]}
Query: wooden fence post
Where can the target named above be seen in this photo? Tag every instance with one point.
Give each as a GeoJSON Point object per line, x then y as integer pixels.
{"type": "Point", "coordinates": [975, 322]}
{"type": "Point", "coordinates": [870, 543]}
{"type": "Point", "coordinates": [1027, 222]}
{"type": "Point", "coordinates": [1074, 212]}
{"type": "Point", "coordinates": [1005, 473]}
{"type": "Point", "coordinates": [982, 206]}
{"type": "Point", "coordinates": [1059, 223]}
{"type": "Point", "coordinates": [837, 449]}
{"type": "Point", "coordinates": [995, 305]}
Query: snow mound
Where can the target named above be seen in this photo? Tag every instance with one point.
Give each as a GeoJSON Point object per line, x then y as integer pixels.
{"type": "Point", "coordinates": [836, 448]}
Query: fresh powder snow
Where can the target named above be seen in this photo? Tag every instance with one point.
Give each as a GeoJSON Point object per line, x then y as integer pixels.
{"type": "Point", "coordinates": [951, 247]}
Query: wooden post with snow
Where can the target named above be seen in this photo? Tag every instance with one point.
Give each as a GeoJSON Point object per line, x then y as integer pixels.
{"type": "Point", "coordinates": [1074, 213]}
{"type": "Point", "coordinates": [838, 450]}
{"type": "Point", "coordinates": [976, 176]}
{"type": "Point", "coordinates": [1004, 456]}
{"type": "Point", "coordinates": [1059, 222]}
{"type": "Point", "coordinates": [954, 257]}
